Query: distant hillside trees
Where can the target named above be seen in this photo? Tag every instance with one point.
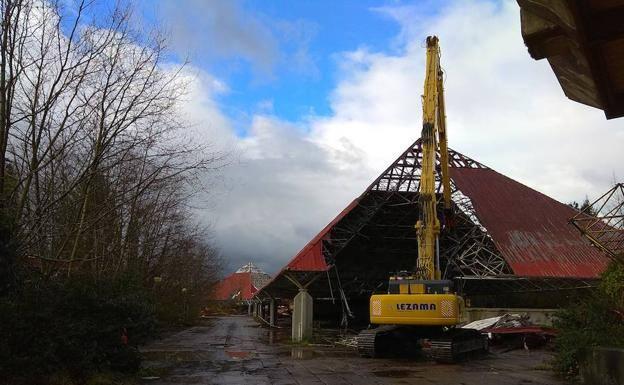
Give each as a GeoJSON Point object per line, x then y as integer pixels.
{"type": "Point", "coordinates": [583, 206]}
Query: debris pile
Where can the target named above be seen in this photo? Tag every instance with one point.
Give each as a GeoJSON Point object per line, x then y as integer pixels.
{"type": "Point", "coordinates": [348, 341]}
{"type": "Point", "coordinates": [504, 321]}
{"type": "Point", "coordinates": [513, 331]}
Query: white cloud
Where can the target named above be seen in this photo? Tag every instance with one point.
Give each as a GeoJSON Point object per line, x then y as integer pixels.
{"type": "Point", "coordinates": [208, 124]}
{"type": "Point", "coordinates": [504, 110]}
{"type": "Point", "coordinates": [280, 186]}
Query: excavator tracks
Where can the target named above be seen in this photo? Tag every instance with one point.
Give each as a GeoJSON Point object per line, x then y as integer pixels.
{"type": "Point", "coordinates": [440, 350]}
{"type": "Point", "coordinates": [442, 346]}
{"type": "Point", "coordinates": [454, 345]}
{"type": "Point", "coordinates": [366, 343]}
{"type": "Point", "coordinates": [374, 342]}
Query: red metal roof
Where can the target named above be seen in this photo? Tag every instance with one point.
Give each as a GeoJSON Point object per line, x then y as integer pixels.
{"type": "Point", "coordinates": [237, 286]}
{"type": "Point", "coordinates": [310, 258]}
{"type": "Point", "coordinates": [530, 229]}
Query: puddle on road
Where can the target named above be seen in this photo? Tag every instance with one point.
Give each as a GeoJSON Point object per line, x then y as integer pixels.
{"type": "Point", "coordinates": [238, 355]}
{"type": "Point", "coordinates": [176, 356]}
{"type": "Point", "coordinates": [399, 373]}
{"type": "Point", "coordinates": [299, 353]}
{"type": "Point", "coordinates": [276, 336]}
{"type": "Point", "coordinates": [308, 352]}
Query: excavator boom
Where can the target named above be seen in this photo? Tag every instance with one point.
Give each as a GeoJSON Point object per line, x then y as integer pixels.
{"type": "Point", "coordinates": [433, 131]}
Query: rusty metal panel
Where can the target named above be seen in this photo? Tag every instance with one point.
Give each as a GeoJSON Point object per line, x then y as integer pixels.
{"type": "Point", "coordinates": [236, 286]}
{"type": "Point", "coordinates": [310, 258]}
{"type": "Point", "coordinates": [531, 230]}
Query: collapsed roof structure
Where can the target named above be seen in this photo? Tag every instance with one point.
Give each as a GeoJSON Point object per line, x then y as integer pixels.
{"type": "Point", "coordinates": [602, 222]}
{"type": "Point", "coordinates": [506, 238]}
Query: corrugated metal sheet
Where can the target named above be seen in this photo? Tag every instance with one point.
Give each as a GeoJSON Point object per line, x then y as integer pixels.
{"type": "Point", "coordinates": [530, 230]}
{"type": "Point", "coordinates": [538, 330]}
{"type": "Point", "coordinates": [310, 258]}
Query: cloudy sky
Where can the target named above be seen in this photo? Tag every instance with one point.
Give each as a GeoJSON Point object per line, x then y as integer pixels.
{"type": "Point", "coordinates": [313, 99]}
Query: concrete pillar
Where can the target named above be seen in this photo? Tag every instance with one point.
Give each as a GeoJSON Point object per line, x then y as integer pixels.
{"type": "Point", "coordinates": [257, 309]}
{"type": "Point", "coordinates": [249, 309]}
{"type": "Point", "coordinates": [302, 316]}
{"type": "Point", "coordinates": [272, 312]}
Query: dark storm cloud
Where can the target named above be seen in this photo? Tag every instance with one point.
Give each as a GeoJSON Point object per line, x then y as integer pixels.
{"type": "Point", "coordinates": [219, 28]}
{"type": "Point", "coordinates": [284, 189]}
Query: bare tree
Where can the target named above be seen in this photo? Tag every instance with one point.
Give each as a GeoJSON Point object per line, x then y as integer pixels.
{"type": "Point", "coordinates": [93, 162]}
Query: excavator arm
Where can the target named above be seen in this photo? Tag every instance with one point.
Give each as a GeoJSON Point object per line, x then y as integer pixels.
{"type": "Point", "coordinates": [433, 139]}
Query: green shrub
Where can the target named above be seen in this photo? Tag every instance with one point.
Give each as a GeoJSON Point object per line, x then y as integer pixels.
{"type": "Point", "coordinates": [74, 326]}
{"type": "Point", "coordinates": [612, 284]}
{"type": "Point", "coordinates": [597, 320]}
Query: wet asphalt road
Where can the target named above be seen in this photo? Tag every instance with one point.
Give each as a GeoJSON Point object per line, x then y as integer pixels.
{"type": "Point", "coordinates": [236, 350]}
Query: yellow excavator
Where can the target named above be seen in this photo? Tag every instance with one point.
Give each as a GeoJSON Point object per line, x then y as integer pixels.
{"type": "Point", "coordinates": [421, 311]}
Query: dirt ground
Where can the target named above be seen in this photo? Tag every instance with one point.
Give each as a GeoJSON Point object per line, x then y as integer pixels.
{"type": "Point", "coordinates": [236, 350]}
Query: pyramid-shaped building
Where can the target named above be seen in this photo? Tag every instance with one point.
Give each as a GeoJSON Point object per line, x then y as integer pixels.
{"type": "Point", "coordinates": [508, 238]}
{"type": "Point", "coordinates": [241, 285]}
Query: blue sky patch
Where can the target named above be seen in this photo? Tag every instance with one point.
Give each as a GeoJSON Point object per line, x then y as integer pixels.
{"type": "Point", "coordinates": [303, 40]}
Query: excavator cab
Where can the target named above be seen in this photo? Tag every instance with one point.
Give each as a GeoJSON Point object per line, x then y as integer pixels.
{"type": "Point", "coordinates": [407, 283]}
{"type": "Point", "coordinates": [412, 301]}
